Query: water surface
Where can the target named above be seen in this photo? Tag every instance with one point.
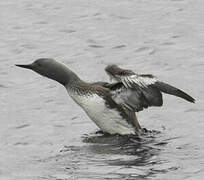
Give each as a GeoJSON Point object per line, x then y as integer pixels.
{"type": "Point", "coordinates": [45, 135]}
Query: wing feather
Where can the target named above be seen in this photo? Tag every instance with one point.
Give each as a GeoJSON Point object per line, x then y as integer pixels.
{"type": "Point", "coordinates": [139, 91]}
{"type": "Point", "coordinates": [135, 92]}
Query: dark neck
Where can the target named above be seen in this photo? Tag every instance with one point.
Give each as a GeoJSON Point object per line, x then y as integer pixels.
{"type": "Point", "coordinates": [67, 78]}
{"type": "Point", "coordinates": [61, 74]}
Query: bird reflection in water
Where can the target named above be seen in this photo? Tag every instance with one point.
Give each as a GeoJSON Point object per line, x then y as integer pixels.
{"type": "Point", "coordinates": [126, 157]}
{"type": "Point", "coordinates": [141, 149]}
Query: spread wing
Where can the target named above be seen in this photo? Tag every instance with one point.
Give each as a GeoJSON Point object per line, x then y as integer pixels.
{"type": "Point", "coordinates": [136, 92]}
{"type": "Point", "coordinates": [140, 91]}
{"type": "Point", "coordinates": [145, 86]}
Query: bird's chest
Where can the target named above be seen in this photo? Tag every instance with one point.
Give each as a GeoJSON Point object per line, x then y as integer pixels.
{"type": "Point", "coordinates": [107, 119]}
{"type": "Point", "coordinates": [91, 103]}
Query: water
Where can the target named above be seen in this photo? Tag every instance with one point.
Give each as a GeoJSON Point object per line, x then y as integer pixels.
{"type": "Point", "coordinates": [45, 135]}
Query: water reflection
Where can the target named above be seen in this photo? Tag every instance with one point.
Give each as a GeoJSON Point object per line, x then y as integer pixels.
{"type": "Point", "coordinates": [137, 157]}
{"type": "Point", "coordinates": [103, 156]}
{"type": "Point", "coordinates": [140, 149]}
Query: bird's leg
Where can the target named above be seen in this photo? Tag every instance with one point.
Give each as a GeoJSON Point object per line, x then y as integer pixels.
{"type": "Point", "coordinates": [136, 124]}
{"type": "Point", "coordinates": [133, 119]}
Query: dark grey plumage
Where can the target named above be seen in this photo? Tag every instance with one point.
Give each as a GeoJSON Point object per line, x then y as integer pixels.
{"type": "Point", "coordinates": [166, 88]}
{"type": "Point", "coordinates": [140, 91]}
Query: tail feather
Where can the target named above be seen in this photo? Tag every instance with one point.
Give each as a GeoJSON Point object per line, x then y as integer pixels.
{"type": "Point", "coordinates": [166, 88]}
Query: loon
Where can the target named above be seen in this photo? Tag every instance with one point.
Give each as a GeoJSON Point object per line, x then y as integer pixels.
{"type": "Point", "coordinates": [111, 106]}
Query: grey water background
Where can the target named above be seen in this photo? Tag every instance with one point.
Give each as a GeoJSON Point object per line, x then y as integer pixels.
{"type": "Point", "coordinates": [45, 135]}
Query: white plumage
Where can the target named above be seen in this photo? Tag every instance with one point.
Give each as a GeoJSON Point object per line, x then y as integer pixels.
{"type": "Point", "coordinates": [107, 119]}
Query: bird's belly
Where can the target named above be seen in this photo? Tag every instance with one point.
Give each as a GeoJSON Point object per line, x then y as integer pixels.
{"type": "Point", "coordinates": [108, 120]}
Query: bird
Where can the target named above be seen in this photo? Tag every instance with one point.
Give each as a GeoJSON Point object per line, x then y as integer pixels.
{"type": "Point", "coordinates": [111, 106]}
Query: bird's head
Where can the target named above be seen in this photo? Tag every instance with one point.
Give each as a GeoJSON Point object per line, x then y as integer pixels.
{"type": "Point", "coordinates": [51, 69]}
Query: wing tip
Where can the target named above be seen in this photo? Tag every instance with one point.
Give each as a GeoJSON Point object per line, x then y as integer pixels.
{"type": "Point", "coordinates": [192, 100]}
{"type": "Point", "coordinates": [186, 96]}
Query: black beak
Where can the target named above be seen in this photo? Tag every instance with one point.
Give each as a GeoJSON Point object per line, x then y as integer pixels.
{"type": "Point", "coordinates": [27, 66]}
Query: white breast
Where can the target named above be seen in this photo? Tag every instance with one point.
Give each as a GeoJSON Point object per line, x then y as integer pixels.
{"type": "Point", "coordinates": [108, 120]}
